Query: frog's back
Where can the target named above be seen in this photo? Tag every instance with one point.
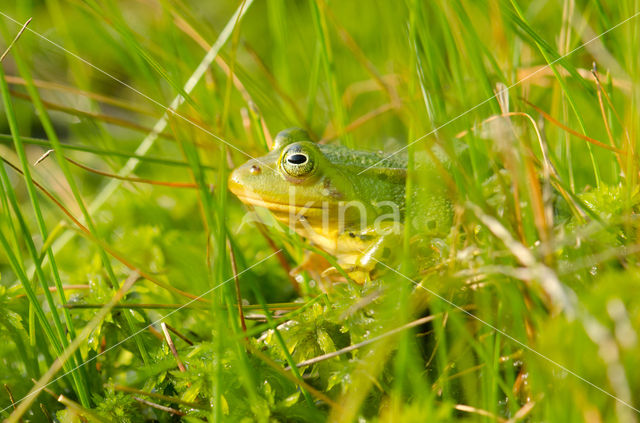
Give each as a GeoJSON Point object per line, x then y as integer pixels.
{"type": "Point", "coordinates": [384, 178]}
{"type": "Point", "coordinates": [341, 155]}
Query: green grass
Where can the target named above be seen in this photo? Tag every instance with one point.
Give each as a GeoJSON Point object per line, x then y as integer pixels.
{"type": "Point", "coordinates": [533, 293]}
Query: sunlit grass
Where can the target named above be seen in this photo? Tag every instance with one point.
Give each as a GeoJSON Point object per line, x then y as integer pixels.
{"type": "Point", "coordinates": [531, 296]}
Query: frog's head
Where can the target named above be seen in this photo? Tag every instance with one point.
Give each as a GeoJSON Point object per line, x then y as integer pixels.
{"type": "Point", "coordinates": [295, 176]}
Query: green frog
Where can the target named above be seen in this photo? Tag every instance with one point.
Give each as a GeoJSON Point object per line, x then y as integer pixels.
{"type": "Point", "coordinates": [348, 203]}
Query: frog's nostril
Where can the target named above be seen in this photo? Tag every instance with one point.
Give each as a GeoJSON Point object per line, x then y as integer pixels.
{"type": "Point", "coordinates": [255, 170]}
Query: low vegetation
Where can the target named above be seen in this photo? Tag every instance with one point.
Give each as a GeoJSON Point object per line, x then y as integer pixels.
{"type": "Point", "coordinates": [124, 255]}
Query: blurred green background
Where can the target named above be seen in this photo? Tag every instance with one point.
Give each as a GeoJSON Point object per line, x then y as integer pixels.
{"type": "Point", "coordinates": [371, 75]}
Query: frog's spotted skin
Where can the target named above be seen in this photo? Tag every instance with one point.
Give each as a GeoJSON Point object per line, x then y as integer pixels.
{"type": "Point", "coordinates": [331, 195]}
{"type": "Point", "coordinates": [339, 154]}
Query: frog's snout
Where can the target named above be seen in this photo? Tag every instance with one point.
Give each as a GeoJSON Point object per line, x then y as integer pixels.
{"type": "Point", "coordinates": [243, 177]}
{"type": "Point", "coordinates": [235, 182]}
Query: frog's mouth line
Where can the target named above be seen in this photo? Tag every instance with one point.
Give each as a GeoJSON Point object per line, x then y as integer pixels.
{"type": "Point", "coordinates": [278, 207]}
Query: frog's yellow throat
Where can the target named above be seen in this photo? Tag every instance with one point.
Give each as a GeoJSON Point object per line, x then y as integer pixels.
{"type": "Point", "coordinates": [316, 214]}
{"type": "Point", "coordinates": [318, 222]}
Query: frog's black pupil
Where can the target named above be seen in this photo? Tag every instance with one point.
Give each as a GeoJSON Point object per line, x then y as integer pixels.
{"type": "Point", "coordinates": [297, 159]}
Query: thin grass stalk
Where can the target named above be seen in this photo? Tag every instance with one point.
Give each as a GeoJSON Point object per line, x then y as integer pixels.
{"type": "Point", "coordinates": [53, 86]}
{"type": "Point", "coordinates": [156, 395]}
{"type": "Point", "coordinates": [245, 370]}
{"type": "Point", "coordinates": [455, 64]}
{"type": "Point", "coordinates": [282, 344]}
{"type": "Point", "coordinates": [401, 363]}
{"type": "Point", "coordinates": [222, 261]}
{"type": "Point", "coordinates": [485, 66]}
{"type": "Point", "coordinates": [79, 72]}
{"type": "Point", "coordinates": [63, 358]}
{"type": "Point", "coordinates": [211, 214]}
{"type": "Point", "coordinates": [278, 26]}
{"type": "Point", "coordinates": [294, 110]}
{"type": "Point", "coordinates": [93, 116]}
{"type": "Point", "coordinates": [630, 125]}
{"type": "Point", "coordinates": [365, 375]}
{"type": "Point", "coordinates": [258, 329]}
{"type": "Point", "coordinates": [77, 409]}
{"type": "Point", "coordinates": [6, 217]}
{"type": "Point", "coordinates": [148, 142]}
{"type": "Point", "coordinates": [214, 210]}
{"type": "Point", "coordinates": [100, 152]}
{"type": "Point", "coordinates": [82, 229]}
{"type": "Point", "coordinates": [221, 267]}
{"type": "Point", "coordinates": [563, 85]}
{"type": "Point", "coordinates": [30, 362]}
{"type": "Point", "coordinates": [59, 153]}
{"type": "Point", "coordinates": [319, 19]}
{"type": "Point", "coordinates": [33, 299]}
{"type": "Point", "coordinates": [314, 78]}
{"type": "Point", "coordinates": [113, 17]}
{"type": "Point", "coordinates": [60, 341]}
{"type": "Point", "coordinates": [79, 377]}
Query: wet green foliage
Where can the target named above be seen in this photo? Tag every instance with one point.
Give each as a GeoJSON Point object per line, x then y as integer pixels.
{"type": "Point", "coordinates": [530, 305]}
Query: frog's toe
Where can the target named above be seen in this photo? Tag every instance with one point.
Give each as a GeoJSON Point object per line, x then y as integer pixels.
{"type": "Point", "coordinates": [360, 276]}
{"type": "Point", "coordinates": [330, 272]}
{"type": "Point", "coordinates": [357, 274]}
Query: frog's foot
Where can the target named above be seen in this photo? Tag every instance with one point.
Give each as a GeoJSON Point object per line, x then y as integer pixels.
{"type": "Point", "coordinates": [381, 254]}
{"type": "Point", "coordinates": [314, 264]}
{"type": "Point", "coordinates": [359, 275]}
{"type": "Point", "coordinates": [371, 250]}
{"type": "Point", "coordinates": [320, 270]}
{"type": "Point", "coordinates": [356, 274]}
{"type": "Point", "coordinates": [367, 265]}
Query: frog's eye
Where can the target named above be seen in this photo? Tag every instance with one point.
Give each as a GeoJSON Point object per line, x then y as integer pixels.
{"type": "Point", "coordinates": [298, 161]}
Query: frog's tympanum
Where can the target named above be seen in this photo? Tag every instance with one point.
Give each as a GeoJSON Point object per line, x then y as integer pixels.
{"type": "Point", "coordinates": [349, 203]}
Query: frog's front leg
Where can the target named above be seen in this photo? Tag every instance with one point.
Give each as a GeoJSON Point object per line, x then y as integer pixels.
{"type": "Point", "coordinates": [369, 247]}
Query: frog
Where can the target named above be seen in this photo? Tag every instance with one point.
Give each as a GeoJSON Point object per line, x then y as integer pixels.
{"type": "Point", "coordinates": [349, 203]}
